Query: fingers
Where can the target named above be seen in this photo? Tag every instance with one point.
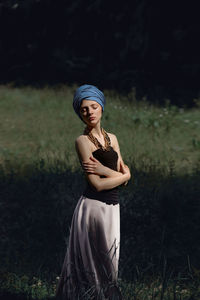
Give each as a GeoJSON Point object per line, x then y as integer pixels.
{"type": "Point", "coordinates": [122, 167]}
{"type": "Point", "coordinates": [89, 167]}
{"type": "Point", "coordinates": [93, 159]}
{"type": "Point", "coordinates": [88, 164]}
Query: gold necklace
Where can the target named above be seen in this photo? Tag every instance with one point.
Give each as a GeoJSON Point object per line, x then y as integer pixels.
{"type": "Point", "coordinates": [95, 141]}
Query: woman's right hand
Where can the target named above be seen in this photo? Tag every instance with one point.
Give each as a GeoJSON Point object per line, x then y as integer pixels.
{"type": "Point", "coordinates": [124, 169]}
{"type": "Point", "coordinates": [93, 166]}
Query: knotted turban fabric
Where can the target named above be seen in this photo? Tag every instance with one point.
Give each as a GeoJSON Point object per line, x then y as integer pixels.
{"type": "Point", "coordinates": [87, 92]}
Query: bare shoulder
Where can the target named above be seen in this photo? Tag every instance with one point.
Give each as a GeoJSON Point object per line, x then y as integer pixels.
{"type": "Point", "coordinates": [82, 147]}
{"type": "Point", "coordinates": [81, 142]}
{"type": "Point", "coordinates": [81, 139]}
{"type": "Point", "coordinates": [113, 138]}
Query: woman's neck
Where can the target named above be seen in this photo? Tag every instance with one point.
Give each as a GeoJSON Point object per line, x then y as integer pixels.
{"type": "Point", "coordinates": [96, 131]}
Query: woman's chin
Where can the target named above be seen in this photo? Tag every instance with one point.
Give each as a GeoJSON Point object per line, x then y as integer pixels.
{"type": "Point", "coordinates": [92, 123]}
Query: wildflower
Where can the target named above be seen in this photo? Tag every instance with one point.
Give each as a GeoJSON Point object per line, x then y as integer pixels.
{"type": "Point", "coordinates": [160, 115]}
{"type": "Point", "coordinates": [39, 283]}
{"type": "Point", "coordinates": [186, 121]}
{"type": "Point", "coordinates": [184, 291]}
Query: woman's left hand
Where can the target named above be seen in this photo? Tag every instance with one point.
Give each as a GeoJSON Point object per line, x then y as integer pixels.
{"type": "Point", "coordinates": [94, 166]}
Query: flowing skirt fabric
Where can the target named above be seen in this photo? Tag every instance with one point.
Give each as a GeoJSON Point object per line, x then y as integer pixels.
{"type": "Point", "coordinates": [91, 261]}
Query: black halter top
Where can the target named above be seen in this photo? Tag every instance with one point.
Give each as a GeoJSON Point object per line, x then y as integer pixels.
{"type": "Point", "coordinates": [109, 159]}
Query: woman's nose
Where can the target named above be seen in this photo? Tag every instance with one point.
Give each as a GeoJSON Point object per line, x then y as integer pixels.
{"type": "Point", "coordinates": [90, 111]}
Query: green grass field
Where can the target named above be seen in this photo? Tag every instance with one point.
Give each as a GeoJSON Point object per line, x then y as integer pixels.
{"type": "Point", "coordinates": [41, 123]}
{"type": "Point", "coordinates": [41, 180]}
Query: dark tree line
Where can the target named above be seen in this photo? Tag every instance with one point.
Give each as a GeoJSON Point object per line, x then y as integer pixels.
{"type": "Point", "coordinates": [150, 45]}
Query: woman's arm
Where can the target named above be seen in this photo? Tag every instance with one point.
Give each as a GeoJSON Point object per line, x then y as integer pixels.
{"type": "Point", "coordinates": [117, 149]}
{"type": "Point", "coordinates": [84, 153]}
{"type": "Point", "coordinates": [94, 166]}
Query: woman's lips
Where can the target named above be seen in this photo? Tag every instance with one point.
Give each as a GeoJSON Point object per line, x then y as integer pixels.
{"type": "Point", "coordinates": [91, 118]}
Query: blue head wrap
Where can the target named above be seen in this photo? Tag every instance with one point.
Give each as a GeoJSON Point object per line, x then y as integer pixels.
{"type": "Point", "coordinates": [87, 92]}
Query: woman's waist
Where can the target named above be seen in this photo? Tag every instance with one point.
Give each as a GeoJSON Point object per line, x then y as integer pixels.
{"type": "Point", "coordinates": [108, 196]}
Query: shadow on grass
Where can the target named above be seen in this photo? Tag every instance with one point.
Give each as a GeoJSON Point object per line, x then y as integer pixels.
{"type": "Point", "coordinates": [20, 296]}
{"type": "Point", "coordinates": [160, 216]}
{"type": "Point", "coordinates": [35, 219]}
{"type": "Point", "coordinates": [160, 221]}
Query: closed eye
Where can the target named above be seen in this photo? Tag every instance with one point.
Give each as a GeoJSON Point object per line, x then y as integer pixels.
{"type": "Point", "coordinates": [84, 109]}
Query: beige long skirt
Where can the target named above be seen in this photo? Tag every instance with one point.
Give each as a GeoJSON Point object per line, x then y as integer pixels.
{"type": "Point", "coordinates": [91, 261]}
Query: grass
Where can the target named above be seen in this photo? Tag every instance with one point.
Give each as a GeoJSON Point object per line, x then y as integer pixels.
{"type": "Point", "coordinates": [159, 288]}
{"type": "Point", "coordinates": [41, 123]}
{"type": "Point", "coordinates": [41, 181]}
{"type": "Point", "coordinates": [29, 287]}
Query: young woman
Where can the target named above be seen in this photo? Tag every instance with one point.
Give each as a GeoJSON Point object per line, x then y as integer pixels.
{"type": "Point", "coordinates": [90, 267]}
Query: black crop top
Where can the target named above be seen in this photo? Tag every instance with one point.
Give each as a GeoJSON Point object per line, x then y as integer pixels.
{"type": "Point", "coordinates": [108, 159]}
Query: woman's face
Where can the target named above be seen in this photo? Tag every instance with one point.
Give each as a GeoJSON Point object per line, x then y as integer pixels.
{"type": "Point", "coordinates": [91, 112]}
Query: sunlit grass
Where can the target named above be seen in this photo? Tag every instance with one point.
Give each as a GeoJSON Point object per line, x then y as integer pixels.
{"type": "Point", "coordinates": [41, 123]}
